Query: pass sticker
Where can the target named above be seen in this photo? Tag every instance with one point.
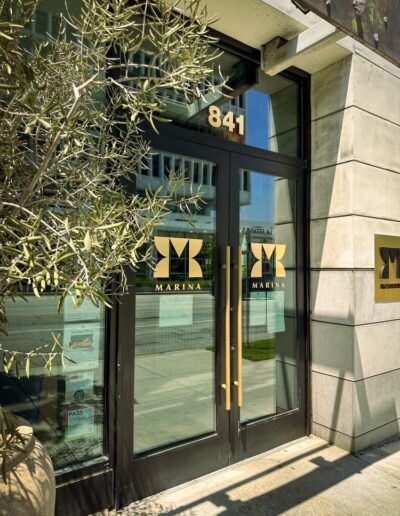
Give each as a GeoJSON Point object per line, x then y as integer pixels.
{"type": "Point", "coordinates": [80, 423]}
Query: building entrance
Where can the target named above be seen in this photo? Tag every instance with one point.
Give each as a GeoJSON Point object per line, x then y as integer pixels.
{"type": "Point", "coordinates": [218, 364]}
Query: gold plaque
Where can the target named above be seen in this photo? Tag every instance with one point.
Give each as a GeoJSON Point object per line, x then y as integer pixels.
{"type": "Point", "coordinates": [387, 268]}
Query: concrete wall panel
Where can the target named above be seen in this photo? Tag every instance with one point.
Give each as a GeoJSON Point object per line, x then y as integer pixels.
{"type": "Point", "coordinates": [332, 350]}
{"type": "Point", "coordinates": [376, 141]}
{"type": "Point", "coordinates": [333, 139]}
{"type": "Point", "coordinates": [376, 401]}
{"type": "Point", "coordinates": [355, 194]}
{"type": "Point", "coordinates": [347, 242]}
{"type": "Point", "coordinates": [332, 296]}
{"type": "Point", "coordinates": [332, 88]}
{"type": "Point", "coordinates": [355, 353]}
{"type": "Point", "coordinates": [355, 188]}
{"type": "Point", "coordinates": [333, 403]}
{"type": "Point", "coordinates": [332, 191]}
{"type": "Point", "coordinates": [369, 93]}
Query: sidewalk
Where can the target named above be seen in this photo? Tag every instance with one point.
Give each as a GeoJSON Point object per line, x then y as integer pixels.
{"type": "Point", "coordinates": [307, 478]}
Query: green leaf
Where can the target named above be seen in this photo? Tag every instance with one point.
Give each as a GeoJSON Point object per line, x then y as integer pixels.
{"type": "Point", "coordinates": [87, 242]}
{"type": "Point", "coordinates": [5, 36]}
{"type": "Point", "coordinates": [44, 123]}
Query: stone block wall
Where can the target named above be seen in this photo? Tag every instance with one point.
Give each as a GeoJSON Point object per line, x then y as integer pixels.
{"type": "Point", "coordinates": [355, 193]}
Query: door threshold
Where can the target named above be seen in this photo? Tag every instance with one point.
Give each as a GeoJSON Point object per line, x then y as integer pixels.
{"type": "Point", "coordinates": [219, 471]}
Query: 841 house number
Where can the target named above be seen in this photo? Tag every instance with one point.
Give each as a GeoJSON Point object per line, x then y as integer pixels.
{"type": "Point", "coordinates": [215, 120]}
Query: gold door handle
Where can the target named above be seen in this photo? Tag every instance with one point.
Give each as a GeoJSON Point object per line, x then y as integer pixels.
{"type": "Point", "coordinates": [239, 383]}
{"type": "Point", "coordinates": [227, 385]}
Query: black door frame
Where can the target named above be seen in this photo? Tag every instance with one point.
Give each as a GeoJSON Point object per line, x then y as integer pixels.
{"type": "Point", "coordinates": [137, 477]}
{"type": "Point", "coordinates": [90, 488]}
{"type": "Point", "coordinates": [165, 468]}
{"type": "Point", "coordinates": [250, 439]}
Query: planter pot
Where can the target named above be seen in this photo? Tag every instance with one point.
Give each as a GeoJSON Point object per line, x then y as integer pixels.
{"type": "Point", "coordinates": [30, 488]}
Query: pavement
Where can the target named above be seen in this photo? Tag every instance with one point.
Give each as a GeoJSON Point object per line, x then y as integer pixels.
{"type": "Point", "coordinates": [308, 477]}
{"type": "Point", "coordinates": [175, 399]}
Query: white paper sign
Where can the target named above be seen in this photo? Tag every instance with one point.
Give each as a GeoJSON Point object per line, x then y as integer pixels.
{"type": "Point", "coordinates": [82, 343]}
{"type": "Point", "coordinates": [80, 422]}
{"type": "Point", "coordinates": [276, 311]}
{"type": "Point", "coordinates": [78, 387]}
{"type": "Point", "coordinates": [175, 310]}
{"type": "Point", "coordinates": [258, 309]}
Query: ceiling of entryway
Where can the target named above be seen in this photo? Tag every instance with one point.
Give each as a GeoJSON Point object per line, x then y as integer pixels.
{"type": "Point", "coordinates": [256, 22]}
{"type": "Point", "coordinates": [253, 22]}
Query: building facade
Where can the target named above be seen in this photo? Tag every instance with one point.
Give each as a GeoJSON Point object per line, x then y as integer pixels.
{"type": "Point", "coordinates": [258, 322]}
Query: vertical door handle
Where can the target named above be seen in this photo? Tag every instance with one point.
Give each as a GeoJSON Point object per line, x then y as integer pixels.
{"type": "Point", "coordinates": [239, 382]}
{"type": "Point", "coordinates": [227, 385]}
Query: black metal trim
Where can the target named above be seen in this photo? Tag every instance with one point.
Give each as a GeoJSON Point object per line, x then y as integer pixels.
{"type": "Point", "coordinates": [85, 496]}
{"type": "Point", "coordinates": [190, 135]}
{"type": "Point", "coordinates": [306, 135]}
{"type": "Point", "coordinates": [247, 437]}
{"type": "Point", "coordinates": [124, 391]}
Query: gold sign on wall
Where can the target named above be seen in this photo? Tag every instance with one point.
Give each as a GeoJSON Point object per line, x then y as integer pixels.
{"type": "Point", "coordinates": [387, 268]}
{"type": "Point", "coordinates": [162, 269]}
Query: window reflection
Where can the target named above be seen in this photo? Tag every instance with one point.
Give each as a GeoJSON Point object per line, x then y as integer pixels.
{"type": "Point", "coordinates": [269, 106]}
{"type": "Point", "coordinates": [267, 236]}
{"type": "Point", "coordinates": [66, 407]}
{"type": "Point", "coordinates": [174, 390]}
{"type": "Point", "coordinates": [263, 110]}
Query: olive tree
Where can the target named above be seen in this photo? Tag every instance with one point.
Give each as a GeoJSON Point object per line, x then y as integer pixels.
{"type": "Point", "coordinates": [71, 138]}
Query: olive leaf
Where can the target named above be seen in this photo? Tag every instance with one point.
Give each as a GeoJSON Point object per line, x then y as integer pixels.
{"type": "Point", "coordinates": [73, 109]}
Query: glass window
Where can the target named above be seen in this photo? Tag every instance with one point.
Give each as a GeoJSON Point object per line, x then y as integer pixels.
{"type": "Point", "coordinates": [46, 20]}
{"type": "Point", "coordinates": [174, 378]}
{"type": "Point", "coordinates": [255, 110]}
{"type": "Point", "coordinates": [155, 166]}
{"type": "Point", "coordinates": [66, 407]}
{"type": "Point", "coordinates": [267, 236]}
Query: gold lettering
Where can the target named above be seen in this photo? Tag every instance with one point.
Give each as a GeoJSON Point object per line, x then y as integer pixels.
{"type": "Point", "coordinates": [176, 286]}
{"type": "Point", "coordinates": [168, 287]}
{"type": "Point", "coordinates": [190, 286]}
{"type": "Point", "coordinates": [198, 286]}
{"type": "Point", "coordinates": [159, 288]}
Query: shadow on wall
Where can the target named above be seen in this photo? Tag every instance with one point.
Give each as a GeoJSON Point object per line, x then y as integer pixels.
{"type": "Point", "coordinates": [345, 407]}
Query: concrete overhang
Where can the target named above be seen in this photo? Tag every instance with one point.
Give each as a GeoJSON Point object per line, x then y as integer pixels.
{"type": "Point", "coordinates": [258, 22]}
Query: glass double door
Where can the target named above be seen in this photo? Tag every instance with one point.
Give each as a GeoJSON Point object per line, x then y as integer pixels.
{"type": "Point", "coordinates": [218, 366]}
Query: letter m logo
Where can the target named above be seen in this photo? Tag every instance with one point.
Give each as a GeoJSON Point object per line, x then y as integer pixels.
{"type": "Point", "coordinates": [163, 246]}
{"type": "Point", "coordinates": [268, 250]}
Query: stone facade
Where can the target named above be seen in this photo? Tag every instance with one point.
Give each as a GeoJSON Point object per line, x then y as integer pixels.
{"type": "Point", "coordinates": [355, 193]}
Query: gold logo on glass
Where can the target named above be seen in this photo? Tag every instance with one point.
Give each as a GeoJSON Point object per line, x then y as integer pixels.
{"type": "Point", "coordinates": [162, 269]}
{"type": "Point", "coordinates": [268, 249]}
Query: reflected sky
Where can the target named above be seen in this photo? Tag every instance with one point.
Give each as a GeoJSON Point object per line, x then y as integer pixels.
{"type": "Point", "coordinates": [261, 208]}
